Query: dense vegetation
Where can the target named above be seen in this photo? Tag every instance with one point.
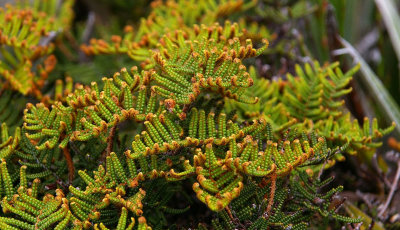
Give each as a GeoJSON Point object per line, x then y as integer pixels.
{"type": "Point", "coordinates": [211, 114]}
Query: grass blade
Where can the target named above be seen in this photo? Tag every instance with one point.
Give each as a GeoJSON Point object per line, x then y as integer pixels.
{"type": "Point", "coordinates": [391, 19]}
{"type": "Point", "coordinates": [379, 93]}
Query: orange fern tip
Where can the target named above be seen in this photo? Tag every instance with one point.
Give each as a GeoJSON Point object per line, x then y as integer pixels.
{"type": "Point", "coordinates": [142, 220]}
{"type": "Point", "coordinates": [394, 144]}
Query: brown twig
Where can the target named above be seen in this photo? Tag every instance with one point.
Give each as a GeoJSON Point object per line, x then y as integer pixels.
{"type": "Point", "coordinates": [110, 144]}
{"type": "Point", "coordinates": [70, 165]}
{"type": "Point", "coordinates": [110, 140]}
{"type": "Point", "coordinates": [271, 194]}
{"type": "Point", "coordinates": [392, 191]}
{"type": "Point", "coordinates": [228, 210]}
{"type": "Point", "coordinates": [381, 176]}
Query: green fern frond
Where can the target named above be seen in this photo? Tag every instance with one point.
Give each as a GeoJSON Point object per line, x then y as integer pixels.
{"type": "Point", "coordinates": [179, 76]}
{"type": "Point", "coordinates": [166, 16]}
{"type": "Point", "coordinates": [311, 101]}
{"type": "Point", "coordinates": [27, 31]}
{"type": "Point", "coordinates": [8, 143]}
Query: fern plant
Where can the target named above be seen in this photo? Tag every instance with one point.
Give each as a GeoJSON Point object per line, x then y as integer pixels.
{"type": "Point", "coordinates": [192, 127]}
{"type": "Point", "coordinates": [312, 101]}
{"type": "Point", "coordinates": [27, 32]}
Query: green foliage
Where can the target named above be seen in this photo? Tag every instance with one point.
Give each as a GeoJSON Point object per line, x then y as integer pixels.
{"type": "Point", "coordinates": [26, 34]}
{"type": "Point", "coordinates": [312, 101]}
{"type": "Point", "coordinates": [9, 104]}
{"type": "Point", "coordinates": [179, 75]}
{"type": "Point", "coordinates": [304, 200]}
{"type": "Point", "coordinates": [8, 143]}
{"type": "Point", "coordinates": [166, 17]}
{"type": "Point", "coordinates": [195, 127]}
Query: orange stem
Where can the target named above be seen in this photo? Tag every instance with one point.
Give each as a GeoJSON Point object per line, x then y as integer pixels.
{"type": "Point", "coordinates": [70, 165]}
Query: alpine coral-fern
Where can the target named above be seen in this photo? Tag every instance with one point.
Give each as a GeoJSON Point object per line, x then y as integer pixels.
{"type": "Point", "coordinates": [193, 122]}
